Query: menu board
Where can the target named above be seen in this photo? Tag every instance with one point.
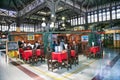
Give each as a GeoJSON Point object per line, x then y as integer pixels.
{"type": "Point", "coordinates": [12, 45]}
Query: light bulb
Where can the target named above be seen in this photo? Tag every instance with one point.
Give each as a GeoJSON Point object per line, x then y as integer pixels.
{"type": "Point", "coordinates": [43, 19]}
{"type": "Point", "coordinates": [52, 15]}
{"type": "Point", "coordinates": [43, 24]}
{"type": "Point", "coordinates": [63, 25]}
{"type": "Point", "coordinates": [52, 24]}
{"type": "Point", "coordinates": [63, 18]}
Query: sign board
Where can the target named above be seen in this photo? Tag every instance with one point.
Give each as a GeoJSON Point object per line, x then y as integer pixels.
{"type": "Point", "coordinates": [84, 38]}
{"type": "Point", "coordinates": [30, 37]}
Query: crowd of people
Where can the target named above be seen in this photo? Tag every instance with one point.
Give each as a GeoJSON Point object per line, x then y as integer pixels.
{"type": "Point", "coordinates": [25, 45]}
{"type": "Point", "coordinates": [61, 45]}
{"type": "Point", "coordinates": [57, 45]}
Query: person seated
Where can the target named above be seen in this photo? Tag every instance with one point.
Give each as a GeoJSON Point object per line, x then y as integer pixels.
{"type": "Point", "coordinates": [29, 44]}
{"type": "Point", "coordinates": [28, 48]}
{"type": "Point", "coordinates": [24, 44]}
{"type": "Point", "coordinates": [58, 48]}
{"type": "Point", "coordinates": [20, 44]}
{"type": "Point", "coordinates": [65, 46]}
{"type": "Point", "coordinates": [38, 47]}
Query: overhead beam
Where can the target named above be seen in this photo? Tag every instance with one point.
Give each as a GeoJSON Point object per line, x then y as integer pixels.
{"type": "Point", "coordinates": [69, 4]}
{"type": "Point", "coordinates": [39, 15]}
{"type": "Point", "coordinates": [22, 3]}
{"type": "Point", "coordinates": [31, 8]}
{"type": "Point", "coordinates": [62, 11]}
{"type": "Point", "coordinates": [15, 5]}
{"type": "Point", "coordinates": [9, 3]}
{"type": "Point", "coordinates": [4, 12]}
{"type": "Point", "coordinates": [39, 4]}
{"type": "Point", "coordinates": [7, 17]}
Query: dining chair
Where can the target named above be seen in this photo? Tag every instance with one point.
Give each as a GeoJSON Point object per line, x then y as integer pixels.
{"type": "Point", "coordinates": [69, 59]}
{"type": "Point", "coordinates": [52, 64]}
{"type": "Point", "coordinates": [34, 58]}
{"type": "Point", "coordinates": [42, 55]}
{"type": "Point", "coordinates": [27, 56]}
{"type": "Point", "coordinates": [38, 54]}
{"type": "Point", "coordinates": [75, 59]}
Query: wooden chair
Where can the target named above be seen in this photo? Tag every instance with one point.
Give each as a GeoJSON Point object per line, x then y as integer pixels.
{"type": "Point", "coordinates": [52, 64]}
{"type": "Point", "coordinates": [75, 59]}
{"type": "Point", "coordinates": [66, 63]}
{"type": "Point", "coordinates": [38, 54]}
{"type": "Point", "coordinates": [69, 59]}
{"type": "Point", "coordinates": [27, 56]}
{"type": "Point", "coordinates": [42, 55]}
{"type": "Point", "coordinates": [34, 58]}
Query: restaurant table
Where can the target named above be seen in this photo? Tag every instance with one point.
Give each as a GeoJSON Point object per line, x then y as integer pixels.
{"type": "Point", "coordinates": [94, 49]}
{"type": "Point", "coordinates": [59, 56]}
{"type": "Point", "coordinates": [27, 54]}
{"type": "Point", "coordinates": [73, 53]}
{"type": "Point", "coordinates": [38, 52]}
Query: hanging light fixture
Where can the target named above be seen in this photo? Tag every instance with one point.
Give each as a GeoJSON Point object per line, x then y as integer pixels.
{"type": "Point", "coordinates": [63, 24]}
{"type": "Point", "coordinates": [43, 24]}
{"type": "Point", "coordinates": [63, 18]}
{"type": "Point", "coordinates": [43, 19]}
{"type": "Point", "coordinates": [52, 25]}
{"type": "Point", "coordinates": [52, 15]}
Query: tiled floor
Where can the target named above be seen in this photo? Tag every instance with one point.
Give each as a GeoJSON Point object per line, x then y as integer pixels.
{"type": "Point", "coordinates": [113, 73]}
{"type": "Point", "coordinates": [88, 69]}
{"type": "Point", "coordinates": [11, 72]}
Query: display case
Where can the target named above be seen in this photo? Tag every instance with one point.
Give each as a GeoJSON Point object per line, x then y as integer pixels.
{"type": "Point", "coordinates": [3, 40]}
{"type": "Point", "coordinates": [2, 45]}
{"type": "Point", "coordinates": [3, 49]}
